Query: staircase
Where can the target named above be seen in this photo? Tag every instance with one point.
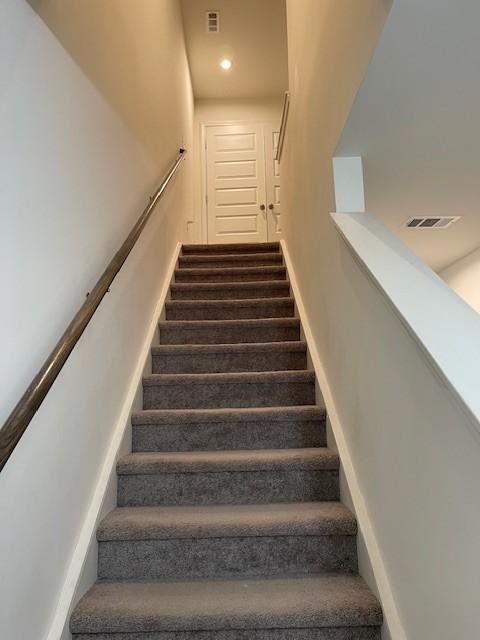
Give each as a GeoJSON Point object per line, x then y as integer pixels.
{"type": "Point", "coordinates": [229, 525]}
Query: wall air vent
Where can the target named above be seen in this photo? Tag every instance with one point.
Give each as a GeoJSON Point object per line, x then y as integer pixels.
{"type": "Point", "coordinates": [213, 22]}
{"type": "Point", "coordinates": [432, 222]}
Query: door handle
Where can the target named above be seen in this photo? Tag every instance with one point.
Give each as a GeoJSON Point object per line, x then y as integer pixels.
{"type": "Point", "coordinates": [262, 207]}
{"type": "Point", "coordinates": [270, 206]}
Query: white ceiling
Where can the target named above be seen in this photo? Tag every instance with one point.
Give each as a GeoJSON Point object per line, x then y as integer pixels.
{"type": "Point", "coordinates": [416, 123]}
{"type": "Point", "coordinates": [253, 34]}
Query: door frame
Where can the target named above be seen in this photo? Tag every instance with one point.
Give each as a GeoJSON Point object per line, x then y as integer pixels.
{"type": "Point", "coordinates": [203, 155]}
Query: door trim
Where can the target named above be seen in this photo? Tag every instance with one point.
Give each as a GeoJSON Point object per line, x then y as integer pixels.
{"type": "Point", "coordinates": [203, 155]}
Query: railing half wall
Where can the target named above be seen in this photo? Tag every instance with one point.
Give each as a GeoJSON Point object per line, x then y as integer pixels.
{"type": "Point", "coordinates": [403, 371]}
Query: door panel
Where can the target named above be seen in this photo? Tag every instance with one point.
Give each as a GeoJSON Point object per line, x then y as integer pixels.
{"type": "Point", "coordinates": [232, 142]}
{"type": "Point", "coordinates": [236, 184]}
{"type": "Point", "coordinates": [273, 183]}
{"type": "Point", "coordinates": [236, 169]}
{"type": "Point", "coordinates": [236, 196]}
{"type": "Point", "coordinates": [234, 224]}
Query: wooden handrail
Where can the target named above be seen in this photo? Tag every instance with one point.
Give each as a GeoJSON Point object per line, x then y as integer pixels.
{"type": "Point", "coordinates": [283, 126]}
{"type": "Point", "coordinates": [27, 406]}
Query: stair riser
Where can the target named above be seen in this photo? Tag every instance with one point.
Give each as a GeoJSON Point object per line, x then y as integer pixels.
{"type": "Point", "coordinates": [230, 487]}
{"type": "Point", "coordinates": [188, 559]}
{"type": "Point", "coordinates": [276, 274]}
{"type": "Point", "coordinates": [205, 262]}
{"type": "Point", "coordinates": [244, 312]}
{"type": "Point", "coordinates": [227, 335]}
{"type": "Point", "coordinates": [324, 633]}
{"type": "Point", "coordinates": [230, 362]}
{"type": "Point", "coordinates": [229, 293]}
{"type": "Point", "coordinates": [218, 436]}
{"type": "Point", "coordinates": [230, 248]}
{"type": "Point", "coordinates": [225, 395]}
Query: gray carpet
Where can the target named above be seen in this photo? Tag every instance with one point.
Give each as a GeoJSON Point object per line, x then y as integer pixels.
{"type": "Point", "coordinates": [229, 309]}
{"type": "Point", "coordinates": [229, 331]}
{"type": "Point", "coordinates": [228, 525]}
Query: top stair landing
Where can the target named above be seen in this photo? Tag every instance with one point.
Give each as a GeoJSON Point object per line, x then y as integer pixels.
{"type": "Point", "coordinates": [241, 247]}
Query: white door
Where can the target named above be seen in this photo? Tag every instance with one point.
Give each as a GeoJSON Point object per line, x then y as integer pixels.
{"type": "Point", "coordinates": [236, 194]}
{"type": "Point", "coordinates": [272, 172]}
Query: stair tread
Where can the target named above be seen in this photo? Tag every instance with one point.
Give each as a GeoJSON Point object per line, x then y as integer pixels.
{"type": "Point", "coordinates": [302, 602]}
{"type": "Point", "coordinates": [230, 247]}
{"type": "Point", "coordinates": [257, 414]}
{"type": "Point", "coordinates": [229, 303]}
{"type": "Point", "coordinates": [241, 347]}
{"type": "Point", "coordinates": [246, 322]}
{"type": "Point", "coordinates": [231, 270]}
{"type": "Point", "coordinates": [284, 519]}
{"type": "Point", "coordinates": [220, 461]}
{"type": "Point", "coordinates": [245, 330]}
{"type": "Point", "coordinates": [229, 286]}
{"type": "Point", "coordinates": [271, 257]}
{"type": "Point", "coordinates": [250, 377]}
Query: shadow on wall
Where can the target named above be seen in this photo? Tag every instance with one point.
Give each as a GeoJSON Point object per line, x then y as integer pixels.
{"type": "Point", "coordinates": [463, 277]}
{"type": "Point", "coordinates": [127, 55]}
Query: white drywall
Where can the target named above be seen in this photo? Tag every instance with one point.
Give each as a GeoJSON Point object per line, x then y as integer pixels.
{"type": "Point", "coordinates": [415, 124]}
{"type": "Point", "coordinates": [370, 558]}
{"type": "Point", "coordinates": [348, 181]}
{"type": "Point", "coordinates": [413, 444]}
{"type": "Point", "coordinates": [464, 278]}
{"type": "Point", "coordinates": [219, 111]}
{"type": "Point", "coordinates": [73, 179]}
{"type": "Point", "coordinates": [426, 305]}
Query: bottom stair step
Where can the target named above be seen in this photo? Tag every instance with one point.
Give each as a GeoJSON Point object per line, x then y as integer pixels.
{"type": "Point", "coordinates": [325, 633]}
{"type": "Point", "coordinates": [311, 608]}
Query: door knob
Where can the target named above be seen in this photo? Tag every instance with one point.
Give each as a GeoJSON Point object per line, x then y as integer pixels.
{"type": "Point", "coordinates": [270, 206]}
{"type": "Point", "coordinates": [262, 207]}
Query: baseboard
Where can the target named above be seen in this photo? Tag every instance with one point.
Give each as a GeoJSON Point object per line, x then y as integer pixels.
{"type": "Point", "coordinates": [391, 615]}
{"type": "Point", "coordinates": [82, 572]}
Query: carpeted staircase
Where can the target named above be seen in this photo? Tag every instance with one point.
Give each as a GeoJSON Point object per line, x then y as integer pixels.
{"type": "Point", "coordinates": [229, 525]}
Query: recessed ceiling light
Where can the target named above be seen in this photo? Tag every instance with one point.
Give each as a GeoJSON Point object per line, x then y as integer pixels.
{"type": "Point", "coordinates": [226, 64]}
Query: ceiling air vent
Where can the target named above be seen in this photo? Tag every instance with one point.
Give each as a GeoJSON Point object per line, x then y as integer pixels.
{"type": "Point", "coordinates": [432, 222]}
{"type": "Point", "coordinates": [213, 22]}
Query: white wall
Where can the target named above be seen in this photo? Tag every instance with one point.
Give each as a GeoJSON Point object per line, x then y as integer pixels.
{"type": "Point", "coordinates": [415, 124]}
{"type": "Point", "coordinates": [348, 183]}
{"type": "Point", "coordinates": [330, 45]}
{"type": "Point", "coordinates": [135, 58]}
{"type": "Point", "coordinates": [464, 278]}
{"type": "Point", "coordinates": [212, 111]}
{"type": "Point", "coordinates": [401, 380]}
{"type": "Point", "coordinates": [73, 178]}
{"type": "Point", "coordinates": [406, 388]}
